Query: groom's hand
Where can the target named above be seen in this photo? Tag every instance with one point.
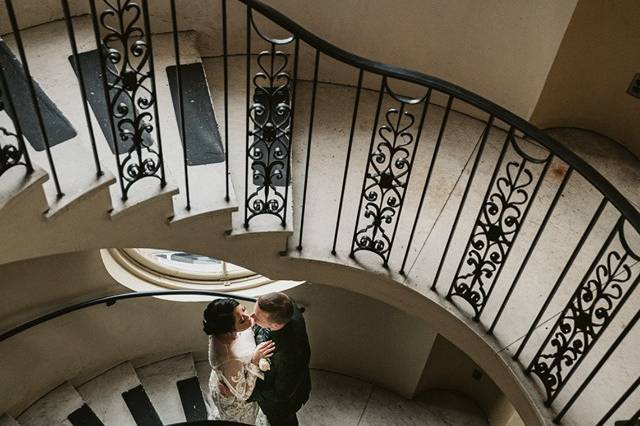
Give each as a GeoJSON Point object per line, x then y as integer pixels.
{"type": "Point", "coordinates": [223, 389]}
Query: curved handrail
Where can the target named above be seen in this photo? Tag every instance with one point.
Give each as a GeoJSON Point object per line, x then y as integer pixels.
{"type": "Point", "coordinates": [586, 170]}
{"type": "Point", "coordinates": [111, 300]}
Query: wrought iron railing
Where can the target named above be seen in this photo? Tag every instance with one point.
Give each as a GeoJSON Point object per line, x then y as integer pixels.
{"type": "Point", "coordinates": [123, 31]}
{"type": "Point", "coordinates": [110, 301]}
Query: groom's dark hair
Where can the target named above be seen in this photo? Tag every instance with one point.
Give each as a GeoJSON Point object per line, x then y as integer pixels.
{"type": "Point", "coordinates": [278, 306]}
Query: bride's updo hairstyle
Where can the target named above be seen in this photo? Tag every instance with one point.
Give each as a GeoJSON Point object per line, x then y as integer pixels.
{"type": "Point", "coordinates": [218, 316]}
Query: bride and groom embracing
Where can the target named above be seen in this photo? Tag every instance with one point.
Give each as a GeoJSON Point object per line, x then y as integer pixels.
{"type": "Point", "coordinates": [260, 361]}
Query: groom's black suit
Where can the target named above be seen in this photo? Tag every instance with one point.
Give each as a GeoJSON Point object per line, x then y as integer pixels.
{"type": "Point", "coordinates": [287, 385]}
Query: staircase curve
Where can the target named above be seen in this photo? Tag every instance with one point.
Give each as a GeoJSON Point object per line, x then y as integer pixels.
{"type": "Point", "coordinates": [398, 185]}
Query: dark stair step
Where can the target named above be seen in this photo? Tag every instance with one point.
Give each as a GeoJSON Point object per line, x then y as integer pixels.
{"type": "Point", "coordinates": [84, 416]}
{"type": "Point", "coordinates": [203, 138]}
{"type": "Point", "coordinates": [191, 398]}
{"type": "Point", "coordinates": [209, 423]}
{"type": "Point", "coordinates": [92, 78]}
{"type": "Point", "coordinates": [57, 127]}
{"type": "Point", "coordinates": [140, 407]}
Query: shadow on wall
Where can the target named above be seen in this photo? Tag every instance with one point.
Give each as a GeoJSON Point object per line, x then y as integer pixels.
{"type": "Point", "coordinates": [451, 369]}
{"type": "Point", "coordinates": [588, 81]}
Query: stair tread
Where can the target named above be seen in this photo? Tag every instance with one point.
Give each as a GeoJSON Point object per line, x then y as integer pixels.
{"type": "Point", "coordinates": [140, 407]}
{"type": "Point", "coordinates": [73, 158]}
{"type": "Point", "coordinates": [53, 408]}
{"type": "Point", "coordinates": [104, 394]}
{"type": "Point", "coordinates": [206, 181]}
{"type": "Point", "coordinates": [203, 370]}
{"type": "Point", "coordinates": [84, 416]}
{"type": "Point", "coordinates": [160, 382]}
{"type": "Point", "coordinates": [7, 420]}
{"type": "Point", "coordinates": [100, 184]}
{"type": "Point", "coordinates": [192, 399]}
{"type": "Point", "coordinates": [16, 182]}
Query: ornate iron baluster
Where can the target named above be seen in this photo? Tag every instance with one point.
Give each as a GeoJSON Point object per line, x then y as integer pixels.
{"type": "Point", "coordinates": [131, 97]}
{"type": "Point", "coordinates": [497, 225]}
{"type": "Point", "coordinates": [11, 154]}
{"type": "Point", "coordinates": [610, 350]}
{"type": "Point", "coordinates": [270, 114]}
{"type": "Point", "coordinates": [599, 296]}
{"type": "Point", "coordinates": [387, 176]}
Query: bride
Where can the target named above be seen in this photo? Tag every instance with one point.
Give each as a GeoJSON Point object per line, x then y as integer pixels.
{"type": "Point", "coordinates": [234, 359]}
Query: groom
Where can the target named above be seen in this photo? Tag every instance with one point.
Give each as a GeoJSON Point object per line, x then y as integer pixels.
{"type": "Point", "coordinates": [286, 386]}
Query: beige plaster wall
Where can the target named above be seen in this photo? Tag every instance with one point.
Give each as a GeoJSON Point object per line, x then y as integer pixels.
{"type": "Point", "coordinates": [449, 368]}
{"type": "Point", "coordinates": [341, 325]}
{"type": "Point", "coordinates": [502, 50]}
{"type": "Point", "coordinates": [365, 338]}
{"type": "Point", "coordinates": [499, 49]}
{"type": "Point", "coordinates": [589, 78]}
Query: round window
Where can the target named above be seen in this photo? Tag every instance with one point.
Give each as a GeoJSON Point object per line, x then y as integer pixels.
{"type": "Point", "coordinates": [190, 266]}
{"type": "Point", "coordinates": [181, 270]}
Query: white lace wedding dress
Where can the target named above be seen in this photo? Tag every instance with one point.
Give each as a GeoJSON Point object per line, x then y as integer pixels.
{"type": "Point", "coordinates": [232, 365]}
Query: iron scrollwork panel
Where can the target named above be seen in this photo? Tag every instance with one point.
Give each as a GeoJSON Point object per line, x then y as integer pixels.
{"type": "Point", "coordinates": [270, 136]}
{"type": "Point", "coordinates": [126, 54]}
{"type": "Point", "coordinates": [12, 147]}
{"type": "Point", "coordinates": [11, 154]}
{"type": "Point", "coordinates": [387, 176]}
{"type": "Point", "coordinates": [499, 220]}
{"type": "Point", "coordinates": [592, 307]}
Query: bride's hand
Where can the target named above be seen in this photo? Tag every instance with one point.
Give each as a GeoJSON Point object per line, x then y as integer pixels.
{"type": "Point", "coordinates": [263, 350]}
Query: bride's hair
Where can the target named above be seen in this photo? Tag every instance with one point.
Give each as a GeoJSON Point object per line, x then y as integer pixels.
{"type": "Point", "coordinates": [218, 316]}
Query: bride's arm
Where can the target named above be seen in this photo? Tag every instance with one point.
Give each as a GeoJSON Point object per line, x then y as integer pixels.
{"type": "Point", "coordinates": [239, 378]}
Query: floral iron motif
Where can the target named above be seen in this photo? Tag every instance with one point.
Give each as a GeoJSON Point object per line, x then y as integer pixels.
{"type": "Point", "coordinates": [601, 293]}
{"type": "Point", "coordinates": [499, 220]}
{"type": "Point", "coordinates": [387, 176]}
{"type": "Point", "coordinates": [12, 147]}
{"type": "Point", "coordinates": [270, 115]}
{"type": "Point", "coordinates": [10, 155]}
{"type": "Point", "coordinates": [131, 100]}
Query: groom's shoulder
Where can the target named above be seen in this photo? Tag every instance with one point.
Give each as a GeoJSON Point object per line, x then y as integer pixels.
{"type": "Point", "coordinates": [298, 317]}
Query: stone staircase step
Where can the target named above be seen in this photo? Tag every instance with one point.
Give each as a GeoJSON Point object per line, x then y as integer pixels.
{"type": "Point", "coordinates": [101, 184]}
{"type": "Point", "coordinates": [104, 394]}
{"type": "Point", "coordinates": [57, 127]}
{"type": "Point", "coordinates": [140, 198]}
{"type": "Point", "coordinates": [74, 160]}
{"type": "Point", "coordinates": [206, 181]}
{"type": "Point", "coordinates": [141, 407]}
{"type": "Point", "coordinates": [47, 48]}
{"type": "Point", "coordinates": [7, 420]}
{"type": "Point", "coordinates": [53, 408]}
{"type": "Point", "coordinates": [84, 416]}
{"type": "Point", "coordinates": [16, 184]}
{"type": "Point", "coordinates": [192, 400]}
{"type": "Point", "coordinates": [203, 370]}
{"type": "Point", "coordinates": [204, 145]}
{"type": "Point", "coordinates": [160, 381]}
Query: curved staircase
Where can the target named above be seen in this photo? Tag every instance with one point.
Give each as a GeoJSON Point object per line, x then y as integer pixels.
{"type": "Point", "coordinates": [508, 240]}
{"type": "Point", "coordinates": [174, 391]}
